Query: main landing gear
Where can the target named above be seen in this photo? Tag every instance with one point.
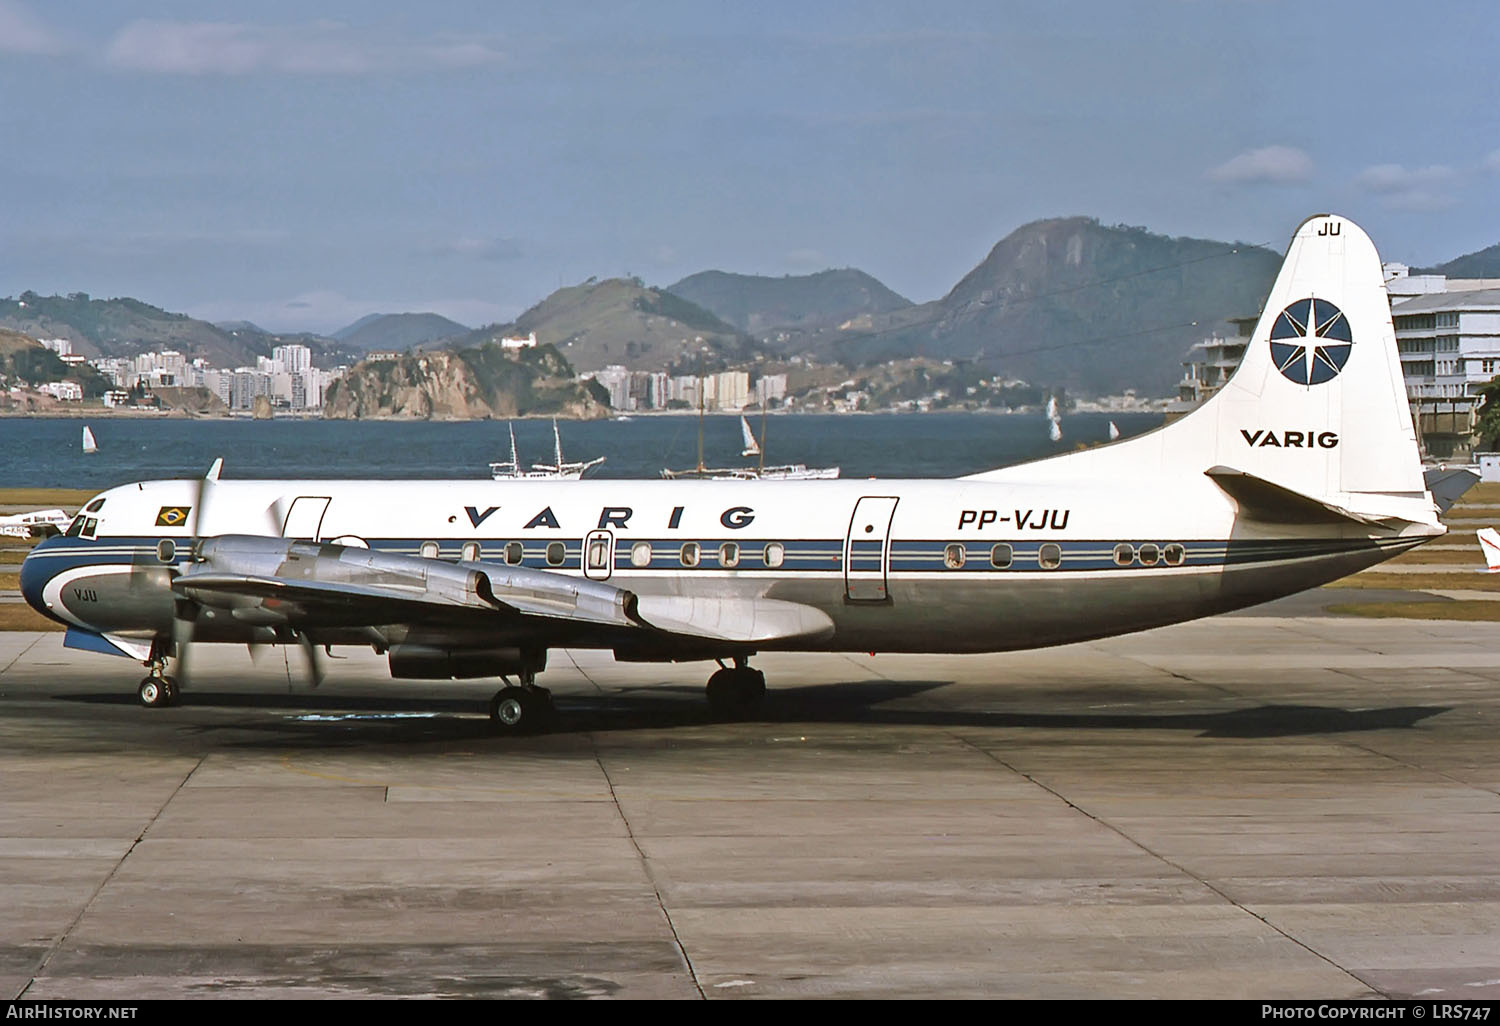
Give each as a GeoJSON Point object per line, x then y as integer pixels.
{"type": "Point", "coordinates": [157, 690]}
{"type": "Point", "coordinates": [736, 692]}
{"type": "Point", "coordinates": [523, 709]}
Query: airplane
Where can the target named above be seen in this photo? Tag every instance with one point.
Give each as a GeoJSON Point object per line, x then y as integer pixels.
{"type": "Point", "coordinates": [1302, 469]}
{"type": "Point", "coordinates": [38, 523]}
{"type": "Point", "coordinates": [1489, 544]}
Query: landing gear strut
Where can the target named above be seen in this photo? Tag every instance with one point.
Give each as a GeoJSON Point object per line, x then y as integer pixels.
{"type": "Point", "coordinates": [157, 690]}
{"type": "Point", "coordinates": [737, 692]}
{"type": "Point", "coordinates": [524, 709]}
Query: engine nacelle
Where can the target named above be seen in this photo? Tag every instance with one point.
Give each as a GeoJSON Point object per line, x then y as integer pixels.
{"type": "Point", "coordinates": [434, 662]}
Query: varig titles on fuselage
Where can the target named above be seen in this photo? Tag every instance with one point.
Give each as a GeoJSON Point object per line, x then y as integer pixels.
{"type": "Point", "coordinates": [610, 518]}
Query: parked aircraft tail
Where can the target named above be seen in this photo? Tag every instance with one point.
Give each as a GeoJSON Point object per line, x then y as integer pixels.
{"type": "Point", "coordinates": [1314, 424]}
{"type": "Point", "coordinates": [1489, 544]}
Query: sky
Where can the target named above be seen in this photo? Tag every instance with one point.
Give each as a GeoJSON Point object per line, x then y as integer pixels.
{"type": "Point", "coordinates": [301, 165]}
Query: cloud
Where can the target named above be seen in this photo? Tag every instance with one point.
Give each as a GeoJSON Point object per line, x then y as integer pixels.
{"type": "Point", "coordinates": [1422, 188]}
{"type": "Point", "coordinates": [1269, 165]}
{"type": "Point", "coordinates": [318, 48]}
{"type": "Point", "coordinates": [498, 251]}
{"type": "Point", "coordinates": [22, 32]}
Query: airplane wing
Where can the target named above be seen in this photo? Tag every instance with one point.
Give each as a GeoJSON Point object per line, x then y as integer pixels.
{"type": "Point", "coordinates": [308, 585]}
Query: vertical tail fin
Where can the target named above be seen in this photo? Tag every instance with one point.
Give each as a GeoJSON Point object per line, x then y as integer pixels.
{"type": "Point", "coordinates": [1489, 544]}
{"type": "Point", "coordinates": [1317, 406]}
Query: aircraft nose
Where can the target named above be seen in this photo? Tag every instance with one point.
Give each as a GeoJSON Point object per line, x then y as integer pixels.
{"type": "Point", "coordinates": [34, 577]}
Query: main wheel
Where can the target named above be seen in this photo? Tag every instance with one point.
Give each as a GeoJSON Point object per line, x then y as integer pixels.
{"type": "Point", "coordinates": [736, 693]}
{"type": "Point", "coordinates": [508, 709]}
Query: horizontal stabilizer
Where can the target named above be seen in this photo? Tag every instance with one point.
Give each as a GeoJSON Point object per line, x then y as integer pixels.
{"type": "Point", "coordinates": [1448, 486]}
{"type": "Point", "coordinates": [740, 620]}
{"type": "Point", "coordinates": [1270, 503]}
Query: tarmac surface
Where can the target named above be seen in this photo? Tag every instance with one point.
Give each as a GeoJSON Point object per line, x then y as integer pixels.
{"type": "Point", "coordinates": [1273, 805]}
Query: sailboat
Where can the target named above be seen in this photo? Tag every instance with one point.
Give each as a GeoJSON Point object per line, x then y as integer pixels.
{"type": "Point", "coordinates": [1114, 432]}
{"type": "Point", "coordinates": [1054, 422]}
{"type": "Point", "coordinates": [89, 445]}
{"type": "Point", "coordinates": [511, 470]}
{"type": "Point", "coordinates": [760, 472]}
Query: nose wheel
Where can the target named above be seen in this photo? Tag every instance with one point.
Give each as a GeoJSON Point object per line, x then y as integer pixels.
{"type": "Point", "coordinates": [736, 692]}
{"type": "Point", "coordinates": [157, 691]}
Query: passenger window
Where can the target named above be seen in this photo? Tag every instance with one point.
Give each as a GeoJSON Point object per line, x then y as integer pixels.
{"type": "Point", "coordinates": [1173, 554]}
{"type": "Point", "coordinates": [1149, 554]}
{"type": "Point", "coordinates": [429, 550]}
{"type": "Point", "coordinates": [514, 553]}
{"type": "Point", "coordinates": [729, 554]}
{"type": "Point", "coordinates": [775, 554]}
{"type": "Point", "coordinates": [1001, 556]}
{"type": "Point", "coordinates": [1050, 556]}
{"type": "Point", "coordinates": [954, 556]}
{"type": "Point", "coordinates": [1124, 554]}
{"type": "Point", "coordinates": [556, 553]}
{"type": "Point", "coordinates": [470, 552]}
{"type": "Point", "coordinates": [640, 554]}
{"type": "Point", "coordinates": [166, 550]}
{"type": "Point", "coordinates": [689, 554]}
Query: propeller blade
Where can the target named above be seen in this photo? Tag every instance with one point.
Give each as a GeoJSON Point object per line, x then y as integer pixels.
{"type": "Point", "coordinates": [314, 662]}
{"type": "Point", "coordinates": [184, 617]}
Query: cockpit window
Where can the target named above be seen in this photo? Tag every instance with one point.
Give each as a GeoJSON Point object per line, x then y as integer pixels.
{"type": "Point", "coordinates": [76, 527]}
{"type": "Point", "coordinates": [94, 506]}
{"type": "Point", "coordinates": [89, 527]}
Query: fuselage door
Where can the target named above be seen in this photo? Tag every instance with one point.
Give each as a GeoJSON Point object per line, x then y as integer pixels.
{"type": "Point", "coordinates": [867, 550]}
{"type": "Point", "coordinates": [599, 555]}
{"type": "Point", "coordinates": [305, 518]}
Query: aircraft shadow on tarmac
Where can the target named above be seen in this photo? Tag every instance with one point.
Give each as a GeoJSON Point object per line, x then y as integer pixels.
{"type": "Point", "coordinates": [306, 717]}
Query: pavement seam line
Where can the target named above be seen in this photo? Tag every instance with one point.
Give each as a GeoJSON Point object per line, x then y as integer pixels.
{"type": "Point", "coordinates": [650, 874]}
{"type": "Point", "coordinates": [67, 932]}
{"type": "Point", "coordinates": [22, 653]}
{"type": "Point", "coordinates": [1106, 824]}
{"type": "Point", "coordinates": [582, 672]}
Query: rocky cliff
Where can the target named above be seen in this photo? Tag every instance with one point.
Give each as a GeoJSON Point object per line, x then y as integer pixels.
{"type": "Point", "coordinates": [469, 384]}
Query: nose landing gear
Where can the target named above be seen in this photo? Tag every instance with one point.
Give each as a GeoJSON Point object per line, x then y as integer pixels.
{"type": "Point", "coordinates": [157, 690]}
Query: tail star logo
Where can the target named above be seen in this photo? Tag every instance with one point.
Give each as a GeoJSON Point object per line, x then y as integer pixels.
{"type": "Point", "coordinates": [1310, 341]}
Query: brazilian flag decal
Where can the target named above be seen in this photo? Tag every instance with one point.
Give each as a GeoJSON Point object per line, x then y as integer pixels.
{"type": "Point", "coordinates": [172, 516]}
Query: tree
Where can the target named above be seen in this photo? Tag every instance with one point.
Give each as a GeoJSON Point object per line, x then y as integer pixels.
{"type": "Point", "coordinates": [1488, 425]}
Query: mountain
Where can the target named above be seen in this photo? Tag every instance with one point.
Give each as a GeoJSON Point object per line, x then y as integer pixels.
{"type": "Point", "coordinates": [397, 331]}
{"type": "Point", "coordinates": [759, 304]}
{"type": "Point", "coordinates": [1483, 264]}
{"type": "Point", "coordinates": [621, 321]}
{"type": "Point", "coordinates": [26, 360]}
{"type": "Point", "coordinates": [126, 327]}
{"type": "Point", "coordinates": [465, 384]}
{"type": "Point", "coordinates": [1070, 302]}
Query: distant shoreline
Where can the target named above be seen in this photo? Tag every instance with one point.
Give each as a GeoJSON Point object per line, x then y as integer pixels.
{"type": "Point", "coordinates": [107, 414]}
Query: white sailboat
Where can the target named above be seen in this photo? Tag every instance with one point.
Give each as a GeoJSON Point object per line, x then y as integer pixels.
{"type": "Point", "coordinates": [761, 472]}
{"type": "Point", "coordinates": [752, 447]}
{"type": "Point", "coordinates": [89, 445]}
{"type": "Point", "coordinates": [511, 470]}
{"type": "Point", "coordinates": [1054, 422]}
{"type": "Point", "coordinates": [1114, 432]}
